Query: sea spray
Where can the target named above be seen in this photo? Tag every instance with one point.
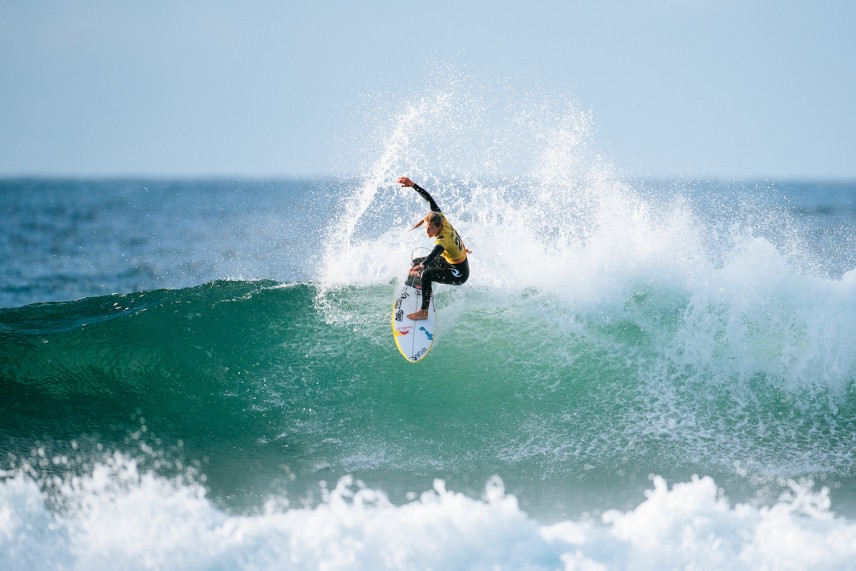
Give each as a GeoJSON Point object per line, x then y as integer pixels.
{"type": "Point", "coordinates": [450, 141]}
{"type": "Point", "coordinates": [566, 226]}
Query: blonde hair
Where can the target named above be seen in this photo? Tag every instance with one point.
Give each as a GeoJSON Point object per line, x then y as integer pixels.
{"type": "Point", "coordinates": [433, 217]}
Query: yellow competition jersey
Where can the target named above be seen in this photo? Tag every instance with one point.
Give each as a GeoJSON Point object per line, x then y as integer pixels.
{"type": "Point", "coordinates": [454, 250]}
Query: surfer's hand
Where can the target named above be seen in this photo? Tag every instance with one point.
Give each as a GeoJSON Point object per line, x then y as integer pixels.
{"type": "Point", "coordinates": [416, 270]}
{"type": "Point", "coordinates": [404, 181]}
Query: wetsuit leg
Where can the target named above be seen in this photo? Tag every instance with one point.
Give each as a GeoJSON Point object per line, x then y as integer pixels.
{"type": "Point", "coordinates": [444, 273]}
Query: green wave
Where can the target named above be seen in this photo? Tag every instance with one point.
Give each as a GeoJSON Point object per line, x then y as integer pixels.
{"type": "Point", "coordinates": [284, 382]}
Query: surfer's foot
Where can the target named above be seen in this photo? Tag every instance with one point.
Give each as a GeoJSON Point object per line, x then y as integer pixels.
{"type": "Point", "coordinates": [419, 315]}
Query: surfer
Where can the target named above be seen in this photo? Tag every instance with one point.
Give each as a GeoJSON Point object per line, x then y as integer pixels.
{"type": "Point", "coordinates": [447, 263]}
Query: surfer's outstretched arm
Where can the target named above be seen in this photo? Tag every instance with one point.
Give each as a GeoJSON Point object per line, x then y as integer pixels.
{"type": "Point", "coordinates": [404, 181]}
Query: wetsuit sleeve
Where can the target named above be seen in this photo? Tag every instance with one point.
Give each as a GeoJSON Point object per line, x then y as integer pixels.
{"type": "Point", "coordinates": [424, 194]}
{"type": "Point", "coordinates": [435, 253]}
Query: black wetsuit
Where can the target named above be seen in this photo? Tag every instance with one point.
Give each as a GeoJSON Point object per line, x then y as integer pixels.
{"type": "Point", "coordinates": [438, 268]}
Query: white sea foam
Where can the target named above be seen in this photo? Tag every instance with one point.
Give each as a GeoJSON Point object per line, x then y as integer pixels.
{"type": "Point", "coordinates": [117, 517]}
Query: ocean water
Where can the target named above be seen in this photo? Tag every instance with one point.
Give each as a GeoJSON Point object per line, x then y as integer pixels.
{"type": "Point", "coordinates": [640, 374]}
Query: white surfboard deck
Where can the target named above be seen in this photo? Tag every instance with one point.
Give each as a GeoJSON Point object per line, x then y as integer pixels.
{"type": "Point", "coordinates": [413, 338]}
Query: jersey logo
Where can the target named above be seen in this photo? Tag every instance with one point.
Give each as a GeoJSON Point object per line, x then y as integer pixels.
{"type": "Point", "coordinates": [456, 273]}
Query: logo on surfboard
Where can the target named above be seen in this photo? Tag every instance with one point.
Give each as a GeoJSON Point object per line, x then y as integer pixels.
{"type": "Point", "coordinates": [408, 334]}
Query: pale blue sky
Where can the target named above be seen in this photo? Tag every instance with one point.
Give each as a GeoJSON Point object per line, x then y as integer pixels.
{"type": "Point", "coordinates": [729, 88]}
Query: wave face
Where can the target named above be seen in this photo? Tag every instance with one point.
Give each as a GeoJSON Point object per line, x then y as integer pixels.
{"type": "Point", "coordinates": [301, 383]}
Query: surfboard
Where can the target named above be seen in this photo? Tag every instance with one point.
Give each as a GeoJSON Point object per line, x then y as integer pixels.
{"type": "Point", "coordinates": [413, 338]}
